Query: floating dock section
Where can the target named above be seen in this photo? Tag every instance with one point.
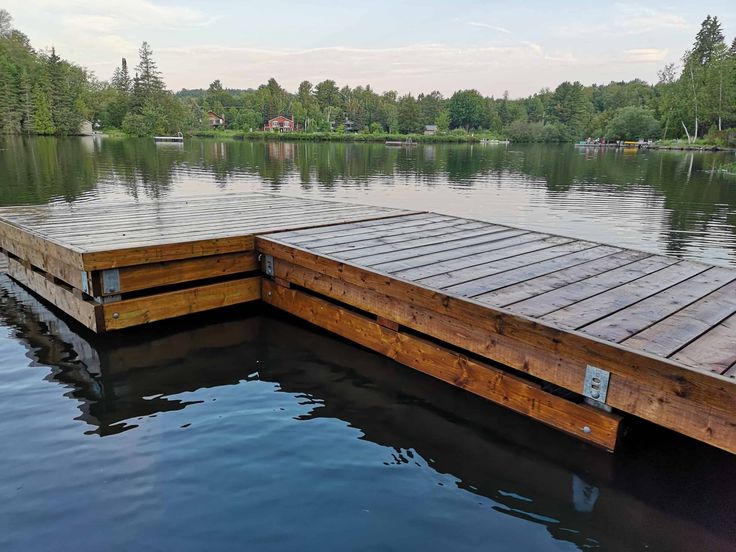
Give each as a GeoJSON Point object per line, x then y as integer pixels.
{"type": "Point", "coordinates": [570, 332]}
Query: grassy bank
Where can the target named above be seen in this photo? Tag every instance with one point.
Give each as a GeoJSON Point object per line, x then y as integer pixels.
{"type": "Point", "coordinates": [729, 168]}
{"type": "Point", "coordinates": [698, 145]}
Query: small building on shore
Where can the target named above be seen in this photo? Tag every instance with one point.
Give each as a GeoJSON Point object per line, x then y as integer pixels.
{"type": "Point", "coordinates": [430, 130]}
{"type": "Point", "coordinates": [215, 120]}
{"type": "Point", "coordinates": [280, 124]}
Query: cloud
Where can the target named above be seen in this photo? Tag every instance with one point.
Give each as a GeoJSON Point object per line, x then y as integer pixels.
{"type": "Point", "coordinates": [640, 19]}
{"type": "Point", "coordinates": [645, 55]}
{"type": "Point", "coordinates": [519, 68]}
{"type": "Point", "coordinates": [86, 14]}
{"type": "Point", "coordinates": [488, 26]}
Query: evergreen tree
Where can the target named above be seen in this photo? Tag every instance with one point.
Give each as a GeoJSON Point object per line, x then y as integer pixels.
{"type": "Point", "coordinates": [707, 41]}
{"type": "Point", "coordinates": [42, 120]}
{"type": "Point", "coordinates": [6, 24]}
{"type": "Point", "coordinates": [26, 104]}
{"type": "Point", "coordinates": [148, 81]}
{"type": "Point", "coordinates": [121, 78]}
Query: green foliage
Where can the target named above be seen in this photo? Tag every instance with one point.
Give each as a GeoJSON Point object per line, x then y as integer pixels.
{"type": "Point", "coordinates": [632, 123]}
{"type": "Point", "coordinates": [467, 109]}
{"type": "Point", "coordinates": [525, 131]}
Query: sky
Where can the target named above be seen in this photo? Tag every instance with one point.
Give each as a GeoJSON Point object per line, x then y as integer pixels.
{"type": "Point", "coordinates": [402, 45]}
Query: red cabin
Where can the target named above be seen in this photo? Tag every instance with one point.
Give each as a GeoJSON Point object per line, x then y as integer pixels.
{"type": "Point", "coordinates": [280, 124]}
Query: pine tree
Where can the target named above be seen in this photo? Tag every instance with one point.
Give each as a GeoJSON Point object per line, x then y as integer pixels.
{"type": "Point", "coordinates": [26, 103]}
{"type": "Point", "coordinates": [6, 24]}
{"type": "Point", "coordinates": [121, 77]}
{"type": "Point", "coordinates": [148, 76]}
{"type": "Point", "coordinates": [707, 40]}
{"type": "Point", "coordinates": [42, 120]}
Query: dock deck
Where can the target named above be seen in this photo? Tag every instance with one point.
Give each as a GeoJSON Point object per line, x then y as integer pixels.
{"type": "Point", "coordinates": [572, 333]}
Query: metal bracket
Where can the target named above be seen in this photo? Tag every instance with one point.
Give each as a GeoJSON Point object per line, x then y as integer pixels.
{"type": "Point", "coordinates": [111, 281]}
{"type": "Point", "coordinates": [268, 265]}
{"type": "Point", "coordinates": [85, 282]}
{"type": "Point", "coordinates": [108, 299]}
{"type": "Point", "coordinates": [595, 385]}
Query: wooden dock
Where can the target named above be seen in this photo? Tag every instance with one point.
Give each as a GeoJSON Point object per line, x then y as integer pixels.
{"type": "Point", "coordinates": [573, 333]}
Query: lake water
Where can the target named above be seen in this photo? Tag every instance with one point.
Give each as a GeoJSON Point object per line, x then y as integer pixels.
{"type": "Point", "coordinates": [248, 430]}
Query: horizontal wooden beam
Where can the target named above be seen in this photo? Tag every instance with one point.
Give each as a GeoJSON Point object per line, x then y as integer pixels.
{"type": "Point", "coordinates": [147, 276]}
{"type": "Point", "coordinates": [85, 311]}
{"type": "Point", "coordinates": [161, 306]}
{"type": "Point", "coordinates": [690, 402]}
{"type": "Point", "coordinates": [116, 258]}
{"type": "Point", "coordinates": [582, 421]}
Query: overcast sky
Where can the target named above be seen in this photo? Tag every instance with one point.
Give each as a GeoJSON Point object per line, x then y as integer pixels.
{"type": "Point", "coordinates": [408, 46]}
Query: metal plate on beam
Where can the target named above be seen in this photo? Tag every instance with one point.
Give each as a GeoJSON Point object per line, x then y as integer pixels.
{"type": "Point", "coordinates": [268, 265]}
{"type": "Point", "coordinates": [595, 385]}
{"type": "Point", "coordinates": [110, 281]}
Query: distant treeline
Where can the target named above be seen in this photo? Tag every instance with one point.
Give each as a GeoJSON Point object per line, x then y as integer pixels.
{"type": "Point", "coordinates": [42, 94]}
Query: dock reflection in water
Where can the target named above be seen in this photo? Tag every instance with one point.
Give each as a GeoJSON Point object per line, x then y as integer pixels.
{"type": "Point", "coordinates": [345, 450]}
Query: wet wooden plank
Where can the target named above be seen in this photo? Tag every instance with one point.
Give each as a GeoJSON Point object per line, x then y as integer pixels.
{"type": "Point", "coordinates": [402, 219]}
{"type": "Point", "coordinates": [147, 276]}
{"type": "Point", "coordinates": [505, 244]}
{"type": "Point", "coordinates": [667, 336]}
{"type": "Point", "coordinates": [514, 293]}
{"type": "Point", "coordinates": [84, 311]}
{"type": "Point", "coordinates": [476, 377]}
{"type": "Point", "coordinates": [482, 278]}
{"type": "Point", "coordinates": [713, 351]}
{"type": "Point", "coordinates": [548, 302]}
{"type": "Point", "coordinates": [613, 300]}
{"type": "Point", "coordinates": [349, 245]}
{"type": "Point", "coordinates": [162, 306]}
{"type": "Point", "coordinates": [643, 314]}
{"type": "Point", "coordinates": [422, 242]}
{"type": "Point", "coordinates": [510, 284]}
{"type": "Point", "coordinates": [353, 233]}
{"type": "Point", "coordinates": [404, 253]}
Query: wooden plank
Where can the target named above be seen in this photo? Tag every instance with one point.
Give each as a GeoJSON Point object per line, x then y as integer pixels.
{"type": "Point", "coordinates": [611, 301]}
{"type": "Point", "coordinates": [139, 277]}
{"type": "Point", "coordinates": [479, 279]}
{"type": "Point", "coordinates": [435, 265]}
{"type": "Point", "coordinates": [537, 264]}
{"type": "Point", "coordinates": [667, 336]}
{"type": "Point", "coordinates": [544, 303]}
{"type": "Point", "coordinates": [714, 351]}
{"type": "Point", "coordinates": [358, 232]}
{"type": "Point", "coordinates": [151, 308]}
{"type": "Point", "coordinates": [86, 312]}
{"type": "Point", "coordinates": [662, 391]}
{"type": "Point", "coordinates": [35, 248]}
{"type": "Point", "coordinates": [387, 237]}
{"type": "Point", "coordinates": [643, 314]}
{"type": "Point", "coordinates": [579, 420]}
{"type": "Point", "coordinates": [515, 293]}
{"type": "Point", "coordinates": [422, 243]}
{"type": "Point", "coordinates": [186, 230]}
{"type": "Point", "coordinates": [405, 252]}
{"type": "Point", "coordinates": [116, 258]}
{"type": "Point", "coordinates": [308, 234]}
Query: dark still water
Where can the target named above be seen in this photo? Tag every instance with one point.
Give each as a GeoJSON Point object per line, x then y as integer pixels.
{"type": "Point", "coordinates": [246, 430]}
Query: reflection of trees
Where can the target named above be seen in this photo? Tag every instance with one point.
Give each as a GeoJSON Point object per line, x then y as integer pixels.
{"type": "Point", "coordinates": [37, 170]}
{"type": "Point", "coordinates": [527, 471]}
